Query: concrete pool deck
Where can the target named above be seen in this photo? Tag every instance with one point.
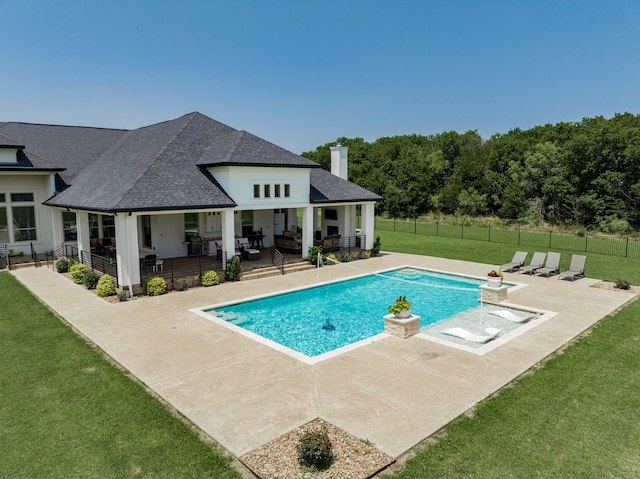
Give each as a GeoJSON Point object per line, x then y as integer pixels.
{"type": "Point", "coordinates": [393, 392]}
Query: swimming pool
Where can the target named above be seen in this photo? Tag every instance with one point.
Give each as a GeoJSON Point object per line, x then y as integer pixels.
{"type": "Point", "coordinates": [354, 308]}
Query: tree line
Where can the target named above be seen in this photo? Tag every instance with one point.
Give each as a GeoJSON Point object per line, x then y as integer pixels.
{"type": "Point", "coordinates": [585, 173]}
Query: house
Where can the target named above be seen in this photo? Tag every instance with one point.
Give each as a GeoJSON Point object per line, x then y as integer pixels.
{"type": "Point", "coordinates": [153, 190]}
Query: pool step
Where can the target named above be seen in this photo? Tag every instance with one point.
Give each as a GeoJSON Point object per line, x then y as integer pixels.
{"type": "Point", "coordinates": [275, 271]}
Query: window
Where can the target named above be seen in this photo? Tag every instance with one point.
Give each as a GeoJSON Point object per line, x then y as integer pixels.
{"type": "Point", "coordinates": [146, 231]}
{"type": "Point", "coordinates": [20, 197]}
{"type": "Point", "coordinates": [24, 223]}
{"type": "Point", "coordinates": [191, 222]}
{"type": "Point", "coordinates": [276, 191]}
{"type": "Point", "coordinates": [247, 222]}
{"type": "Point", "coordinates": [108, 226]}
{"type": "Point", "coordinates": [267, 191]}
{"type": "Point", "coordinates": [287, 191]}
{"type": "Point", "coordinates": [256, 191]}
{"type": "Point", "coordinates": [17, 217]}
{"type": "Point", "coordinates": [94, 229]}
{"type": "Point", "coordinates": [69, 226]}
{"type": "Point", "coordinates": [4, 224]}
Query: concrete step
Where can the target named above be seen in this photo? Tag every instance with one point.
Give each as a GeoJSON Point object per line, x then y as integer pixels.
{"type": "Point", "coordinates": [275, 271]}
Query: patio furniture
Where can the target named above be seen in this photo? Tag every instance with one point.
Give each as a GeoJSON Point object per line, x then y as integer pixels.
{"type": "Point", "coordinates": [469, 336]}
{"type": "Point", "coordinates": [330, 243]}
{"type": "Point", "coordinates": [551, 266]}
{"type": "Point", "coordinates": [511, 316]}
{"type": "Point", "coordinates": [516, 263]}
{"type": "Point", "coordinates": [288, 244]}
{"type": "Point", "coordinates": [148, 263]}
{"type": "Point", "coordinates": [576, 268]}
{"type": "Point", "coordinates": [255, 239]}
{"type": "Point", "coordinates": [536, 263]}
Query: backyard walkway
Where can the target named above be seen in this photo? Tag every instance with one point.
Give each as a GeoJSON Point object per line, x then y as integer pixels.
{"type": "Point", "coordinates": [392, 392]}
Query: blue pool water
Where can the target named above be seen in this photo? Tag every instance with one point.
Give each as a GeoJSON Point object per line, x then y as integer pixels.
{"type": "Point", "coordinates": [354, 307]}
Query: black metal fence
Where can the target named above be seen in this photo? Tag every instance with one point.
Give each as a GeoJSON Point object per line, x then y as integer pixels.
{"type": "Point", "coordinates": [626, 247]}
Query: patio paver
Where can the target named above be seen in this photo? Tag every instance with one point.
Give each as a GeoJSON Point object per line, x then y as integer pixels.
{"type": "Point", "coordinates": [392, 392]}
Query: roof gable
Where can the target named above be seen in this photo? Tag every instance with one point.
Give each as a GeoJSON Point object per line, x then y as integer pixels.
{"type": "Point", "coordinates": [139, 171]}
{"type": "Point", "coordinates": [240, 148]}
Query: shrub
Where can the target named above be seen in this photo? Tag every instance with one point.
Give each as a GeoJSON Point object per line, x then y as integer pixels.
{"type": "Point", "coordinates": [209, 278]}
{"type": "Point", "coordinates": [182, 285]}
{"type": "Point", "coordinates": [91, 279]}
{"type": "Point", "coordinates": [364, 255]}
{"type": "Point", "coordinates": [345, 257]}
{"type": "Point", "coordinates": [62, 265]}
{"type": "Point", "coordinates": [312, 257]}
{"type": "Point", "coordinates": [155, 286]}
{"type": "Point", "coordinates": [330, 259]}
{"type": "Point", "coordinates": [376, 246]}
{"type": "Point", "coordinates": [623, 283]}
{"type": "Point", "coordinates": [315, 449]}
{"type": "Point", "coordinates": [233, 269]}
{"type": "Point", "coordinates": [106, 286]}
{"type": "Point", "coordinates": [123, 296]}
{"type": "Point", "coordinates": [77, 272]}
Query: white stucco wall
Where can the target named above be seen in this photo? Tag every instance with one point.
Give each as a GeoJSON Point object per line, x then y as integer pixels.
{"type": "Point", "coordinates": [238, 182]}
{"type": "Point", "coordinates": [40, 186]}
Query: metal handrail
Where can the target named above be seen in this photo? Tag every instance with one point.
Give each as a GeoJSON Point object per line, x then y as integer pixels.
{"type": "Point", "coordinates": [275, 252]}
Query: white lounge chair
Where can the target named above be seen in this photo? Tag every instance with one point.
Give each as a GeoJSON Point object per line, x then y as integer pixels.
{"type": "Point", "coordinates": [516, 263]}
{"type": "Point", "coordinates": [537, 262]}
{"type": "Point", "coordinates": [511, 316]}
{"type": "Point", "coordinates": [576, 268]}
{"type": "Point", "coordinates": [469, 336]}
{"type": "Point", "coordinates": [551, 266]}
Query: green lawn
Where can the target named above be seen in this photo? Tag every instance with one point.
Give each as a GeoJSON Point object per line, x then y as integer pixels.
{"type": "Point", "coordinates": [68, 413]}
{"type": "Point", "coordinates": [597, 265]}
{"type": "Point", "coordinates": [578, 416]}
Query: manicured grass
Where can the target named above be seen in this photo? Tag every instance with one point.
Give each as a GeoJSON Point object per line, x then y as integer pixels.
{"type": "Point", "coordinates": [67, 412]}
{"type": "Point", "coordinates": [597, 265]}
{"type": "Point", "coordinates": [576, 416]}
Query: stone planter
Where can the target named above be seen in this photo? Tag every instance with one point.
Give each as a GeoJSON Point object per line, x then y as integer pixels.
{"type": "Point", "coordinates": [405, 313]}
{"type": "Point", "coordinates": [494, 281]}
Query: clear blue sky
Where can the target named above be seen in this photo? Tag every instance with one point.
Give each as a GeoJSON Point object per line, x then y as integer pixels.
{"type": "Point", "coordinates": [301, 73]}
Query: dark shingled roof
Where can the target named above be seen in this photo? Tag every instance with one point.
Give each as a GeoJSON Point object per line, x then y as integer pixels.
{"type": "Point", "coordinates": [328, 188]}
{"type": "Point", "coordinates": [158, 167]}
{"type": "Point", "coordinates": [71, 148]}
{"type": "Point", "coordinates": [151, 168]}
{"type": "Point", "coordinates": [244, 149]}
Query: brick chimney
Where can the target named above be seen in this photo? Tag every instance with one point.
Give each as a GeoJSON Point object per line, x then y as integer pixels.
{"type": "Point", "coordinates": [339, 161]}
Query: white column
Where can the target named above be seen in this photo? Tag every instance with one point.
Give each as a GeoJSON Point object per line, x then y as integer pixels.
{"type": "Point", "coordinates": [307, 229]}
{"type": "Point", "coordinates": [82, 226]}
{"type": "Point", "coordinates": [349, 222]}
{"type": "Point", "coordinates": [228, 234]}
{"type": "Point", "coordinates": [368, 222]}
{"type": "Point", "coordinates": [57, 228]}
{"type": "Point", "coordinates": [127, 255]}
